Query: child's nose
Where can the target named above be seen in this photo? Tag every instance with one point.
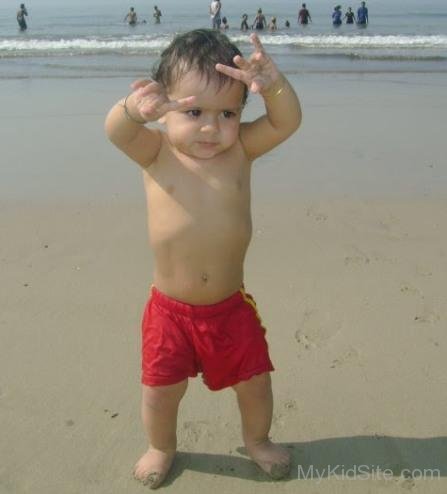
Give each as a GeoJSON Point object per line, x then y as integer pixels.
{"type": "Point", "coordinates": [211, 125]}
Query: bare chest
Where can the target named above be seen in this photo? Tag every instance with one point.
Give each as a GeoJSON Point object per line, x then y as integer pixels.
{"type": "Point", "coordinates": [201, 189]}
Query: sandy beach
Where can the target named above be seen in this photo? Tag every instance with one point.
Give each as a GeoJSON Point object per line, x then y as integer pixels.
{"type": "Point", "coordinates": [348, 265]}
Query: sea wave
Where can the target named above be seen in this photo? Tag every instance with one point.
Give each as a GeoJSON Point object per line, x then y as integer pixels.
{"type": "Point", "coordinates": [146, 44]}
{"type": "Point", "coordinates": [356, 41]}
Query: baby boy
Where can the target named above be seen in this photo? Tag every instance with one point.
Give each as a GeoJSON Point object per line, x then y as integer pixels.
{"type": "Point", "coordinates": [196, 174]}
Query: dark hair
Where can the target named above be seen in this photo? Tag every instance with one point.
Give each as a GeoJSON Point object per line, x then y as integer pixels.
{"type": "Point", "coordinates": [201, 50]}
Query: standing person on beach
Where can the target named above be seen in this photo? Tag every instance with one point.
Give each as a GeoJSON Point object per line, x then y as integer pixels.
{"type": "Point", "coordinates": [21, 13]}
{"type": "Point", "coordinates": [157, 14]}
{"type": "Point", "coordinates": [131, 17]}
{"type": "Point", "coordinates": [215, 8]}
{"type": "Point", "coordinates": [260, 21]}
{"type": "Point", "coordinates": [362, 15]}
{"type": "Point", "coordinates": [304, 16]}
{"type": "Point", "coordinates": [196, 172]}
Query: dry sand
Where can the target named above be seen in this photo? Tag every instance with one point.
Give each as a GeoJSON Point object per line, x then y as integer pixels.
{"type": "Point", "coordinates": [348, 265]}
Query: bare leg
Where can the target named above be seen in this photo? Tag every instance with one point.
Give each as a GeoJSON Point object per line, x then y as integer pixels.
{"type": "Point", "coordinates": [159, 413]}
{"type": "Point", "coordinates": [255, 401]}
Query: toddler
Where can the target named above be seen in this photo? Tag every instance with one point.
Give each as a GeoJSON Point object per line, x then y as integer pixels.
{"type": "Point", "coordinates": [196, 174]}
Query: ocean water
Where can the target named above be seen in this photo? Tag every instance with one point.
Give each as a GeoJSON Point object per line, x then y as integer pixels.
{"type": "Point", "coordinates": [80, 39]}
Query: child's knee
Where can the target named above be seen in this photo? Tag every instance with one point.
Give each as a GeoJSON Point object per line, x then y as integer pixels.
{"type": "Point", "coordinates": [160, 397]}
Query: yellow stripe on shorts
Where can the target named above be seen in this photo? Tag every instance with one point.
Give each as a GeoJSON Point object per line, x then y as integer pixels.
{"type": "Point", "coordinates": [251, 302]}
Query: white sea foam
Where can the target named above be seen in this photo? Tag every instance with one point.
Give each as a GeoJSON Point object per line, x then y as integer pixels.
{"type": "Point", "coordinates": [143, 44]}
{"type": "Point", "coordinates": [356, 41]}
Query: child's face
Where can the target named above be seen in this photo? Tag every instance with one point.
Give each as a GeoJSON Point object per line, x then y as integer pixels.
{"type": "Point", "coordinates": [212, 125]}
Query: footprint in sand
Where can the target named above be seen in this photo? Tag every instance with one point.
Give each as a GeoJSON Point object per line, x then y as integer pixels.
{"type": "Point", "coordinates": [357, 258]}
{"type": "Point", "coordinates": [290, 405]}
{"type": "Point", "coordinates": [408, 289]}
{"type": "Point", "coordinates": [312, 212]}
{"type": "Point", "coordinates": [424, 271]}
{"type": "Point", "coordinates": [193, 432]}
{"type": "Point", "coordinates": [352, 355]}
{"type": "Point", "coordinates": [427, 316]}
{"type": "Point", "coordinates": [316, 329]}
{"type": "Point", "coordinates": [407, 483]}
{"type": "Point", "coordinates": [390, 227]}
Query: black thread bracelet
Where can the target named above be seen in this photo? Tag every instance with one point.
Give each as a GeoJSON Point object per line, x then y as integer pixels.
{"type": "Point", "coordinates": [127, 113]}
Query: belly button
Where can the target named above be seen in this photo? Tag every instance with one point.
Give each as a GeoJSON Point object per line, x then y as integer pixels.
{"type": "Point", "coordinates": [204, 277]}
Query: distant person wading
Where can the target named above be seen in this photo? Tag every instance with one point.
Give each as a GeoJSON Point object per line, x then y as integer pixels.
{"type": "Point", "coordinates": [21, 13]}
{"type": "Point", "coordinates": [215, 8]}
{"type": "Point", "coordinates": [336, 16]}
{"type": "Point", "coordinates": [362, 15]}
{"type": "Point", "coordinates": [349, 16]}
{"type": "Point", "coordinates": [131, 17]}
{"type": "Point", "coordinates": [260, 22]}
{"type": "Point", "coordinates": [304, 16]}
{"type": "Point", "coordinates": [157, 14]}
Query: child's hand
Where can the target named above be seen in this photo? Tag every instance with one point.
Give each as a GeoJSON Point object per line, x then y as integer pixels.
{"type": "Point", "coordinates": [150, 102]}
{"type": "Point", "coordinates": [259, 72]}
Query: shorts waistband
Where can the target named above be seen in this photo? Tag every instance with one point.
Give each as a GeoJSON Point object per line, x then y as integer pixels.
{"type": "Point", "coordinates": [197, 310]}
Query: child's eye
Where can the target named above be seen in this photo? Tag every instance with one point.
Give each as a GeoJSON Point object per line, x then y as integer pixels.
{"type": "Point", "coordinates": [228, 114]}
{"type": "Point", "coordinates": [194, 113]}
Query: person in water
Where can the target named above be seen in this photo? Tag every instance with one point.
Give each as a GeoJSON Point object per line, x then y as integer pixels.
{"type": "Point", "coordinates": [287, 24]}
{"type": "Point", "coordinates": [131, 17]}
{"type": "Point", "coordinates": [336, 16]}
{"type": "Point", "coordinates": [349, 16]}
{"type": "Point", "coordinates": [304, 15]}
{"type": "Point", "coordinates": [260, 22]}
{"type": "Point", "coordinates": [224, 26]}
{"type": "Point", "coordinates": [157, 14]}
{"type": "Point", "coordinates": [215, 8]}
{"type": "Point", "coordinates": [362, 15]}
{"type": "Point", "coordinates": [272, 24]}
{"type": "Point", "coordinates": [196, 170]}
{"type": "Point", "coordinates": [244, 23]}
{"type": "Point", "coordinates": [21, 13]}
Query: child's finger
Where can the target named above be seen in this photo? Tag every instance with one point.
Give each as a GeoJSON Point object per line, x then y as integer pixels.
{"type": "Point", "coordinates": [180, 104]}
{"type": "Point", "coordinates": [256, 42]}
{"type": "Point", "coordinates": [151, 87]}
{"type": "Point", "coordinates": [241, 62]}
{"type": "Point", "coordinates": [230, 71]}
{"type": "Point", "coordinates": [140, 83]}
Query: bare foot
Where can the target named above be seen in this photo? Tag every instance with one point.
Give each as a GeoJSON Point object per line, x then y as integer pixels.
{"type": "Point", "coordinates": [153, 467]}
{"type": "Point", "coordinates": [272, 458]}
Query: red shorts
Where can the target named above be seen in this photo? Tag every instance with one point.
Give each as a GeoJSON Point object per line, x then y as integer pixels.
{"type": "Point", "coordinates": [224, 341]}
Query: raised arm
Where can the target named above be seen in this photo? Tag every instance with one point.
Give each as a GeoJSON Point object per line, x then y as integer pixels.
{"type": "Point", "coordinates": [283, 111]}
{"type": "Point", "coordinates": [125, 123]}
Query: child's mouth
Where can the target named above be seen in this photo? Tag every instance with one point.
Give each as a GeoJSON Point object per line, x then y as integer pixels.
{"type": "Point", "coordinates": [207, 144]}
